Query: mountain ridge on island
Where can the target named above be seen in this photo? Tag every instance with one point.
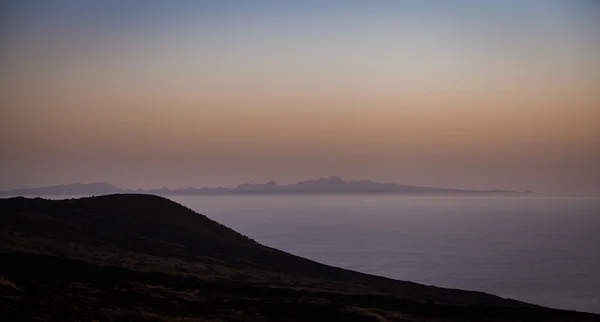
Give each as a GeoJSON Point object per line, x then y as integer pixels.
{"type": "Point", "coordinates": [137, 257]}
{"type": "Point", "coordinates": [326, 185]}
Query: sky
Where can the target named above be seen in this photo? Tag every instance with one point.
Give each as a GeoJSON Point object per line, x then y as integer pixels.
{"type": "Point", "coordinates": [458, 93]}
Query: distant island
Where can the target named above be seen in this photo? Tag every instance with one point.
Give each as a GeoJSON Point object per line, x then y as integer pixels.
{"type": "Point", "coordinates": [329, 185]}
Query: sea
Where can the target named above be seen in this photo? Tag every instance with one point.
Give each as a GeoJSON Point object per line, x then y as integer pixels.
{"type": "Point", "coordinates": [542, 250]}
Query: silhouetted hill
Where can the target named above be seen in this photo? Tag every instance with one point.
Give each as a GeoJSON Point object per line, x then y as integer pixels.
{"type": "Point", "coordinates": [143, 257]}
{"type": "Point", "coordinates": [330, 185]}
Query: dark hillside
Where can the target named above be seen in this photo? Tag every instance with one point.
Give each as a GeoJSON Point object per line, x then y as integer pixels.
{"type": "Point", "coordinates": [146, 257]}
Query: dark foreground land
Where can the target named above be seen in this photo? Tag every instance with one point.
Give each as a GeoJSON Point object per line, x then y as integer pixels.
{"type": "Point", "coordinates": [142, 257]}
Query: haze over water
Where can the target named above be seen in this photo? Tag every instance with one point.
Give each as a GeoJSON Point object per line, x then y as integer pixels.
{"type": "Point", "coordinates": [536, 249]}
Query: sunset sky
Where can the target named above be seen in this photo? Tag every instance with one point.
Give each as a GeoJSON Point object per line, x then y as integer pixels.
{"type": "Point", "coordinates": [468, 94]}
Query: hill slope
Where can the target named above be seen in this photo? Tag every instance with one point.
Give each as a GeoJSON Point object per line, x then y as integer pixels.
{"type": "Point", "coordinates": [146, 257]}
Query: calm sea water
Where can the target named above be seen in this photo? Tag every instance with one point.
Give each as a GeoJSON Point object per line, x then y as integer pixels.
{"type": "Point", "coordinates": [540, 250]}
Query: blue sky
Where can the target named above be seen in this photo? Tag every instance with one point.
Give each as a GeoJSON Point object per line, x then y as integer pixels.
{"type": "Point", "coordinates": [418, 92]}
{"type": "Point", "coordinates": [152, 13]}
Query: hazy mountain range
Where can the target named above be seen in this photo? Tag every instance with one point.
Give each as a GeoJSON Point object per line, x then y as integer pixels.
{"type": "Point", "coordinates": [329, 185]}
